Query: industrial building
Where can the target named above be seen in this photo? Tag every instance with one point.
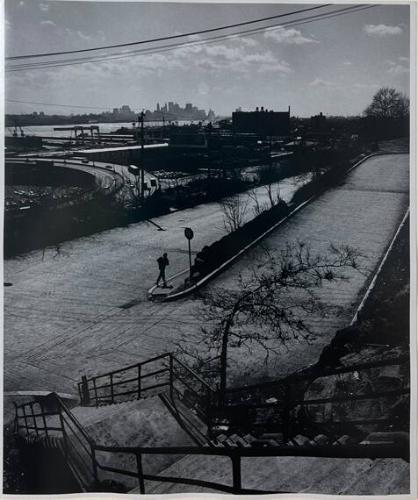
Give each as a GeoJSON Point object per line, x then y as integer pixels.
{"type": "Point", "coordinates": [262, 122]}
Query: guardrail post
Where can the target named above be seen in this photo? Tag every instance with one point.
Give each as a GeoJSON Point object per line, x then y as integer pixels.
{"type": "Point", "coordinates": [85, 393]}
{"type": "Point", "coordinates": [140, 473]}
{"type": "Point", "coordinates": [139, 381]}
{"type": "Point", "coordinates": [236, 472]}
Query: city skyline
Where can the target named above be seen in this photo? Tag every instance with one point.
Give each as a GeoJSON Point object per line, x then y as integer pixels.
{"type": "Point", "coordinates": [307, 67]}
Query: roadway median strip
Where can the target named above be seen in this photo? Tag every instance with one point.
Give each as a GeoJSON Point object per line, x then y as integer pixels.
{"type": "Point", "coordinates": [167, 294]}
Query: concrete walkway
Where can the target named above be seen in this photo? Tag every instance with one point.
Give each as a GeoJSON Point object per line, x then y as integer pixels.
{"type": "Point", "coordinates": [64, 308]}
{"type": "Point", "coordinates": [63, 316]}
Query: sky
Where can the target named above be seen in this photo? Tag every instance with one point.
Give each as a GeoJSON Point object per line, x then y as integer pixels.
{"type": "Point", "coordinates": [332, 66]}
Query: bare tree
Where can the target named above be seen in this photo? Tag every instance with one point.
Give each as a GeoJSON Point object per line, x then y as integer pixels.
{"type": "Point", "coordinates": [269, 308]}
{"type": "Point", "coordinates": [133, 186]}
{"type": "Point", "coordinates": [257, 206]}
{"type": "Point", "coordinates": [234, 210]}
{"type": "Point", "coordinates": [273, 193]}
{"type": "Point", "coordinates": [388, 103]}
{"type": "Point", "coordinates": [273, 198]}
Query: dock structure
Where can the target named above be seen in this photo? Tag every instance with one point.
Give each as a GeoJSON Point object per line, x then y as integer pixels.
{"type": "Point", "coordinates": [125, 155]}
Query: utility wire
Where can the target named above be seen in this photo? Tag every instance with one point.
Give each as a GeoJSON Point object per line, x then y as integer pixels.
{"type": "Point", "coordinates": [52, 104]}
{"type": "Point", "coordinates": [166, 48]}
{"type": "Point", "coordinates": [157, 49]}
{"type": "Point", "coordinates": [172, 37]}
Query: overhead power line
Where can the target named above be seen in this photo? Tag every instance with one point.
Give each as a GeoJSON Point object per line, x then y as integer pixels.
{"type": "Point", "coordinates": [161, 39]}
{"type": "Point", "coordinates": [169, 47]}
{"type": "Point", "coordinates": [54, 105]}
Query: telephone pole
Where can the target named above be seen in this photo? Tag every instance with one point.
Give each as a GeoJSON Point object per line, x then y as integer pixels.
{"type": "Point", "coordinates": [141, 118]}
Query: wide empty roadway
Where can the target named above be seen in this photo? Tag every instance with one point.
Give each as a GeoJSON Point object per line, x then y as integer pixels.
{"type": "Point", "coordinates": [63, 316]}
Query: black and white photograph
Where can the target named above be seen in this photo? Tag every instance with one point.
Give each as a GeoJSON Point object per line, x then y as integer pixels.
{"type": "Point", "coordinates": [209, 248]}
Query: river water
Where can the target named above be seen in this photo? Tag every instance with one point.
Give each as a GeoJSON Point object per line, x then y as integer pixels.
{"type": "Point", "coordinates": [48, 130]}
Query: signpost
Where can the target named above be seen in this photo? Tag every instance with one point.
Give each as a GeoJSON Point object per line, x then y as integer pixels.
{"type": "Point", "coordinates": [188, 233]}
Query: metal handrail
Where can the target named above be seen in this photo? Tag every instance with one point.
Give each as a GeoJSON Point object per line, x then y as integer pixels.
{"type": "Point", "coordinates": [325, 372]}
{"type": "Point", "coordinates": [89, 390]}
{"type": "Point", "coordinates": [192, 372]}
{"type": "Point", "coordinates": [65, 417]}
{"type": "Point", "coordinates": [75, 421]}
{"type": "Point", "coordinates": [130, 367]}
{"type": "Point", "coordinates": [398, 450]}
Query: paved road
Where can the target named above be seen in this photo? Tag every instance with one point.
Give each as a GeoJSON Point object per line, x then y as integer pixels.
{"type": "Point", "coordinates": [57, 297]}
{"type": "Point", "coordinates": [63, 316]}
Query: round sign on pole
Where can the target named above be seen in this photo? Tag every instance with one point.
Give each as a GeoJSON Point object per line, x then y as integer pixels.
{"type": "Point", "coordinates": [188, 233]}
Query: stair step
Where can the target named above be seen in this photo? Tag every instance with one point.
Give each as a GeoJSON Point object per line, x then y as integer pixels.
{"type": "Point", "coordinates": [229, 444]}
{"type": "Point", "coordinates": [188, 419]}
{"type": "Point", "coordinates": [242, 442]}
{"type": "Point", "coordinates": [233, 437]}
{"type": "Point", "coordinates": [216, 444]}
{"type": "Point", "coordinates": [386, 438]}
{"type": "Point", "coordinates": [276, 436]}
{"type": "Point", "coordinates": [222, 437]}
{"type": "Point", "coordinates": [249, 438]}
{"type": "Point", "coordinates": [301, 440]}
{"type": "Point", "coordinates": [263, 443]}
{"type": "Point", "coordinates": [321, 439]}
{"type": "Point", "coordinates": [343, 440]}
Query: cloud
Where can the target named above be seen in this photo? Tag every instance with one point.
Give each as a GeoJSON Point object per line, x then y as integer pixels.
{"type": "Point", "coordinates": [44, 7]}
{"type": "Point", "coordinates": [347, 63]}
{"type": "Point", "coordinates": [382, 30]}
{"type": "Point", "coordinates": [280, 66]}
{"type": "Point", "coordinates": [83, 36]}
{"type": "Point", "coordinates": [21, 3]}
{"type": "Point", "coordinates": [48, 22]}
{"type": "Point", "coordinates": [318, 82]}
{"type": "Point", "coordinates": [396, 69]}
{"type": "Point", "coordinates": [404, 59]}
{"type": "Point", "coordinates": [288, 36]}
{"type": "Point", "coordinates": [249, 42]}
{"type": "Point", "coordinates": [230, 56]}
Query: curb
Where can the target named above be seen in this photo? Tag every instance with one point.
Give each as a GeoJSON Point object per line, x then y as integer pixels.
{"type": "Point", "coordinates": [379, 268]}
{"type": "Point", "coordinates": [168, 280]}
{"type": "Point", "coordinates": [222, 267]}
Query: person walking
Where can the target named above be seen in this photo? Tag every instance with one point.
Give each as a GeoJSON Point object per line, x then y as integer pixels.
{"type": "Point", "coordinates": [162, 264]}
